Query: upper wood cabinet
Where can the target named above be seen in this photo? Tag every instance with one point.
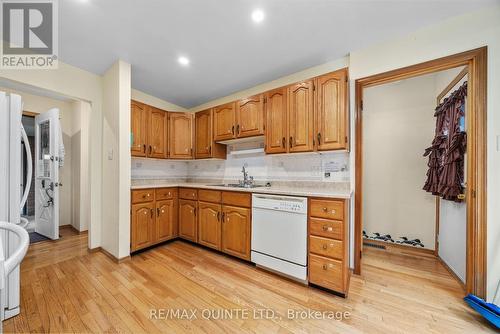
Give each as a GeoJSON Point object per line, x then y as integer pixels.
{"type": "Point", "coordinates": [250, 117]}
{"type": "Point", "coordinates": [180, 135]}
{"type": "Point", "coordinates": [331, 111]}
{"type": "Point", "coordinates": [236, 226]}
{"type": "Point", "coordinates": [301, 116]}
{"type": "Point", "coordinates": [138, 128]}
{"type": "Point", "coordinates": [209, 224]}
{"type": "Point", "coordinates": [276, 121]}
{"type": "Point", "coordinates": [142, 226]}
{"type": "Point", "coordinates": [205, 147]}
{"type": "Point", "coordinates": [224, 121]}
{"type": "Point", "coordinates": [158, 133]}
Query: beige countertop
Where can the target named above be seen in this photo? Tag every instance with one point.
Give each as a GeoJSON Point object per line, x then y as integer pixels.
{"type": "Point", "coordinates": [331, 190]}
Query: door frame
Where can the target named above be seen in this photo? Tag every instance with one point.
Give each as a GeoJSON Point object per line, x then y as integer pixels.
{"type": "Point", "coordinates": [476, 61]}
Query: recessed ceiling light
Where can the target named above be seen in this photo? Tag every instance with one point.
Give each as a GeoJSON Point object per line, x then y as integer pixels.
{"type": "Point", "coordinates": [183, 61]}
{"type": "Point", "coordinates": [257, 15]}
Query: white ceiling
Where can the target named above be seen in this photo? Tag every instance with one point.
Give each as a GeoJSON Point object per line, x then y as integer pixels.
{"type": "Point", "coordinates": [228, 52]}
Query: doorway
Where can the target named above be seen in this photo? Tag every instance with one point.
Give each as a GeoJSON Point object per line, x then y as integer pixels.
{"type": "Point", "coordinates": [475, 175]}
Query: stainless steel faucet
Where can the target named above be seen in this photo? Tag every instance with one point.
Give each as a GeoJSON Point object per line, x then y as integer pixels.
{"type": "Point", "coordinates": [247, 180]}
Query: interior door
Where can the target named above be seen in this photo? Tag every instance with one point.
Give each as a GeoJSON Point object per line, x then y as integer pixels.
{"type": "Point", "coordinates": [47, 136]}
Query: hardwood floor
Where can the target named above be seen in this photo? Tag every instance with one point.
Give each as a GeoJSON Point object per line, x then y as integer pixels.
{"type": "Point", "coordinates": [64, 288]}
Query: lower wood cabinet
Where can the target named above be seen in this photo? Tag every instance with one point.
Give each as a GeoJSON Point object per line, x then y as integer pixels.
{"type": "Point", "coordinates": [329, 243]}
{"type": "Point", "coordinates": [153, 217]}
{"type": "Point", "coordinates": [236, 227]}
{"type": "Point", "coordinates": [188, 227]}
{"type": "Point", "coordinates": [209, 225]}
{"type": "Point", "coordinates": [166, 215]}
{"type": "Point", "coordinates": [142, 225]}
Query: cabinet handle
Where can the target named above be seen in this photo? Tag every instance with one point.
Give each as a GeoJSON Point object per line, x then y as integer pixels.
{"type": "Point", "coordinates": [223, 214]}
{"type": "Point", "coordinates": [218, 216]}
{"type": "Point", "coordinates": [325, 246]}
{"type": "Point", "coordinates": [194, 211]}
{"type": "Point", "coordinates": [283, 142]}
{"type": "Point", "coordinates": [238, 129]}
{"type": "Point", "coordinates": [319, 138]}
{"type": "Point", "coordinates": [210, 150]}
{"type": "Point", "coordinates": [291, 143]}
{"type": "Point", "coordinates": [327, 228]}
{"type": "Point", "coordinates": [151, 212]}
{"type": "Point", "coordinates": [325, 209]}
{"type": "Point", "coordinates": [232, 129]}
{"type": "Point", "coordinates": [150, 149]}
{"type": "Point", "coordinates": [157, 212]}
{"type": "Point", "coordinates": [325, 267]}
{"type": "Point", "coordinates": [144, 148]}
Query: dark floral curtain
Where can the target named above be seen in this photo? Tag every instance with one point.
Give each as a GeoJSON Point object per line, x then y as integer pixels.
{"type": "Point", "coordinates": [445, 177]}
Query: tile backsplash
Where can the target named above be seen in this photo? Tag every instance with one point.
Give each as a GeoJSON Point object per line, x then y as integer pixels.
{"type": "Point", "coordinates": [329, 167]}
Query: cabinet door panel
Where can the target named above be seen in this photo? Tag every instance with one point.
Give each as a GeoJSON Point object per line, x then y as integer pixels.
{"type": "Point", "coordinates": [276, 121]}
{"type": "Point", "coordinates": [250, 116]}
{"type": "Point", "coordinates": [181, 136]}
{"type": "Point", "coordinates": [224, 121]}
{"type": "Point", "coordinates": [203, 129]}
{"type": "Point", "coordinates": [142, 228]}
{"type": "Point", "coordinates": [331, 109]}
{"type": "Point", "coordinates": [209, 225]}
{"type": "Point", "coordinates": [165, 219]}
{"type": "Point", "coordinates": [138, 129]}
{"type": "Point", "coordinates": [301, 114]}
{"type": "Point", "coordinates": [157, 133]}
{"type": "Point", "coordinates": [236, 231]}
{"type": "Point", "coordinates": [188, 228]}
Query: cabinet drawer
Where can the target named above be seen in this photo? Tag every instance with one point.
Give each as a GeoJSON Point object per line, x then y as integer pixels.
{"type": "Point", "coordinates": [327, 209]}
{"type": "Point", "coordinates": [327, 247]}
{"type": "Point", "coordinates": [237, 198]}
{"type": "Point", "coordinates": [165, 193]}
{"type": "Point", "coordinates": [188, 193]}
{"type": "Point", "coordinates": [326, 228]}
{"type": "Point", "coordinates": [213, 196]}
{"type": "Point", "coordinates": [326, 273]}
{"type": "Point", "coordinates": [143, 196]}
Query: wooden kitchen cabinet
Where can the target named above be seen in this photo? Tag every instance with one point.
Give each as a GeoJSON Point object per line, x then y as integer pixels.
{"type": "Point", "coordinates": [209, 224]}
{"type": "Point", "coordinates": [236, 227]}
{"type": "Point", "coordinates": [250, 117]}
{"type": "Point", "coordinates": [188, 227]}
{"type": "Point", "coordinates": [138, 129]}
{"type": "Point", "coordinates": [224, 119]}
{"type": "Point", "coordinates": [300, 120]}
{"type": "Point", "coordinates": [329, 243]}
{"type": "Point", "coordinates": [180, 135]}
{"type": "Point", "coordinates": [331, 111]}
{"type": "Point", "coordinates": [166, 216]}
{"type": "Point", "coordinates": [205, 146]}
{"type": "Point", "coordinates": [142, 225]}
{"type": "Point", "coordinates": [276, 121]}
{"type": "Point", "coordinates": [158, 133]}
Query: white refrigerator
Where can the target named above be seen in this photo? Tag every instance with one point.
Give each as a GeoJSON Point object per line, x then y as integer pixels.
{"type": "Point", "coordinates": [10, 193]}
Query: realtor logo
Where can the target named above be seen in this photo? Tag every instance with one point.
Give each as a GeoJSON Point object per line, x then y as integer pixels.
{"type": "Point", "coordinates": [29, 34]}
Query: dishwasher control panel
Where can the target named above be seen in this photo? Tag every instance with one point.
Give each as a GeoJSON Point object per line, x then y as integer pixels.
{"type": "Point", "coordinates": [280, 203]}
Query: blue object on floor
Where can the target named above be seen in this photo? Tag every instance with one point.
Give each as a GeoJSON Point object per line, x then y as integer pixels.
{"type": "Point", "coordinates": [490, 312]}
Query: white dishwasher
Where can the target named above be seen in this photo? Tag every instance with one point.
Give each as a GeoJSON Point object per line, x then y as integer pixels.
{"type": "Point", "coordinates": [279, 234]}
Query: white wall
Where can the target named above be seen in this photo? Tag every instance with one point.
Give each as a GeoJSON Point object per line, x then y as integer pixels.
{"type": "Point", "coordinates": [116, 160]}
{"type": "Point", "coordinates": [155, 102]}
{"type": "Point", "coordinates": [398, 125]}
{"type": "Point", "coordinates": [451, 36]}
